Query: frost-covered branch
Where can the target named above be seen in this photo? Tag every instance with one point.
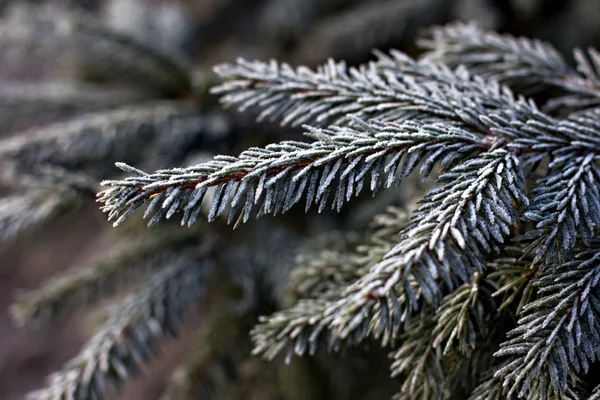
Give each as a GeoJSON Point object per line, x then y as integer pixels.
{"type": "Point", "coordinates": [337, 164]}
{"type": "Point", "coordinates": [130, 337]}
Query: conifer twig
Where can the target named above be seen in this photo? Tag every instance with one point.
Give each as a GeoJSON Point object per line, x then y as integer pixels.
{"type": "Point", "coordinates": [529, 66]}
{"type": "Point", "coordinates": [20, 213]}
{"type": "Point", "coordinates": [101, 277]}
{"type": "Point", "coordinates": [48, 195]}
{"type": "Point", "coordinates": [131, 335]}
{"type": "Point", "coordinates": [555, 335]}
{"type": "Point", "coordinates": [445, 238]}
{"type": "Point", "coordinates": [101, 53]}
{"type": "Point", "coordinates": [393, 88]}
{"type": "Point", "coordinates": [24, 105]}
{"type": "Point", "coordinates": [595, 393]}
{"type": "Point", "coordinates": [93, 139]}
{"type": "Point", "coordinates": [280, 175]}
{"type": "Point", "coordinates": [334, 266]}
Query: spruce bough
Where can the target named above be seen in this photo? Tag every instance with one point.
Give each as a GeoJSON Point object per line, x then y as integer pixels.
{"type": "Point", "coordinates": [391, 117]}
{"type": "Point", "coordinates": [491, 286]}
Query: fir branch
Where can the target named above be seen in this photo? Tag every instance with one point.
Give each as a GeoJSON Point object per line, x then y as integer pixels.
{"type": "Point", "coordinates": [394, 88]}
{"type": "Point", "coordinates": [23, 212]}
{"type": "Point", "coordinates": [100, 53]}
{"type": "Point", "coordinates": [595, 393]}
{"type": "Point", "coordinates": [347, 319]}
{"type": "Point", "coordinates": [463, 315]}
{"type": "Point", "coordinates": [521, 63]}
{"type": "Point", "coordinates": [300, 329]}
{"type": "Point", "coordinates": [334, 266]}
{"type": "Point", "coordinates": [491, 388]}
{"type": "Point", "coordinates": [437, 277]}
{"type": "Point", "coordinates": [584, 90]}
{"type": "Point", "coordinates": [48, 196]}
{"type": "Point", "coordinates": [588, 66]}
{"type": "Point", "coordinates": [512, 274]}
{"type": "Point", "coordinates": [558, 333]}
{"type": "Point", "coordinates": [539, 137]}
{"type": "Point", "coordinates": [420, 362]}
{"type": "Point", "coordinates": [528, 66]}
{"type": "Point", "coordinates": [437, 343]}
{"type": "Point", "coordinates": [23, 44]}
{"type": "Point", "coordinates": [446, 238]}
{"type": "Point", "coordinates": [280, 175]}
{"type": "Point", "coordinates": [130, 337]}
{"type": "Point", "coordinates": [323, 273]}
{"type": "Point", "coordinates": [306, 324]}
{"type": "Point", "coordinates": [311, 322]}
{"type": "Point", "coordinates": [23, 104]}
{"type": "Point", "coordinates": [86, 143]}
{"type": "Point", "coordinates": [79, 44]}
{"type": "Point", "coordinates": [382, 236]}
{"type": "Point", "coordinates": [101, 277]}
{"type": "Point", "coordinates": [565, 205]}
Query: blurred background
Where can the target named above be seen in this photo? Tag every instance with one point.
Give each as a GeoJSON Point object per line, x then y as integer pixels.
{"type": "Point", "coordinates": [38, 60]}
